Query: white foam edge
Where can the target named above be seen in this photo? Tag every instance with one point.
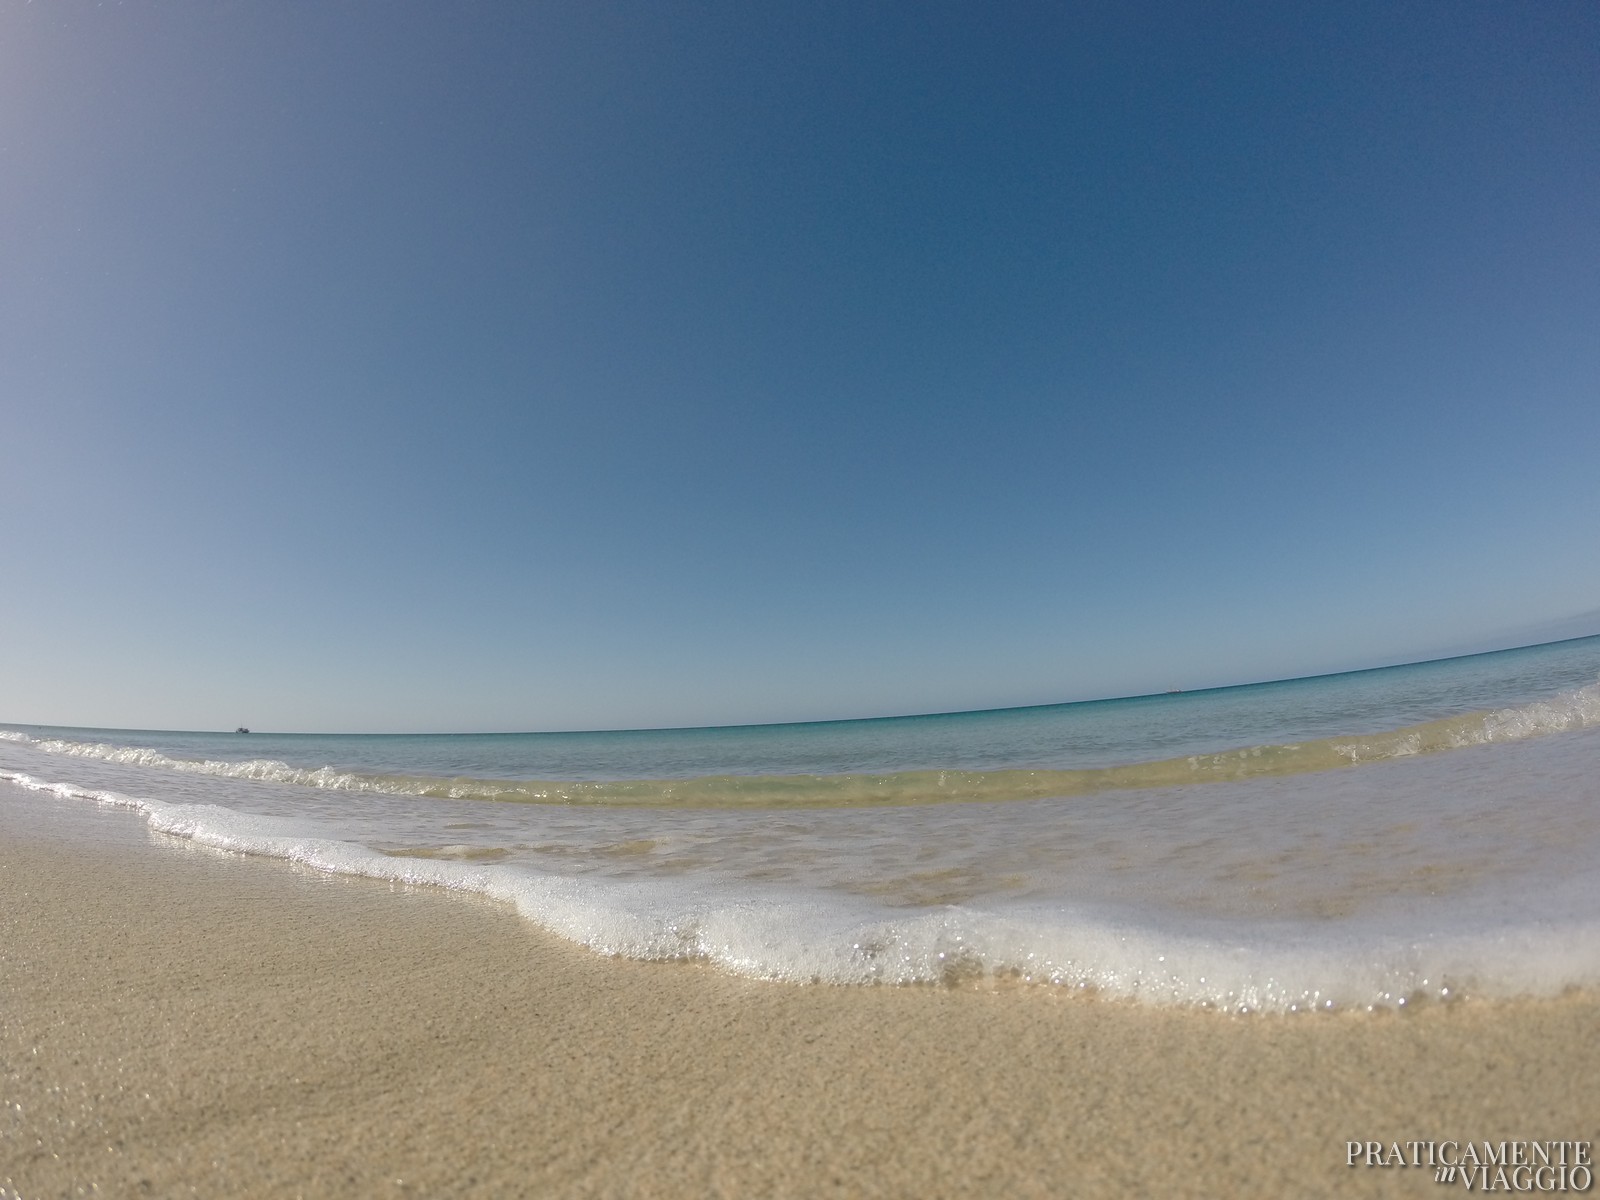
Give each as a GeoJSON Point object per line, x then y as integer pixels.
{"type": "Point", "coordinates": [815, 938]}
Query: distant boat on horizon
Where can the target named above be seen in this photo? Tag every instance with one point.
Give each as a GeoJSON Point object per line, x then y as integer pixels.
{"type": "Point", "coordinates": [241, 729]}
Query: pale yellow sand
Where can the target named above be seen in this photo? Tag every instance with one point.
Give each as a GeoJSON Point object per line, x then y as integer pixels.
{"type": "Point", "coordinates": [178, 1021]}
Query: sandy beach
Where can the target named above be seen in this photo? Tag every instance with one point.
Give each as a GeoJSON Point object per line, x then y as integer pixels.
{"type": "Point", "coordinates": [176, 1020]}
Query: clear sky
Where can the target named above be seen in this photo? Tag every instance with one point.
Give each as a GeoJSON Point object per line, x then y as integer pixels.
{"type": "Point", "coordinates": [422, 366]}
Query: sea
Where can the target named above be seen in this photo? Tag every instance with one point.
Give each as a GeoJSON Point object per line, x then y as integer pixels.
{"type": "Point", "coordinates": [1396, 837]}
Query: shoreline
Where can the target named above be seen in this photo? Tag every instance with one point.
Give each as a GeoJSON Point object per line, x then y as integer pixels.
{"type": "Point", "coordinates": [175, 1017]}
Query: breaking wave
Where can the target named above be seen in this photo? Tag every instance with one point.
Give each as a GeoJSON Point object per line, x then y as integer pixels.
{"type": "Point", "coordinates": [1575, 709]}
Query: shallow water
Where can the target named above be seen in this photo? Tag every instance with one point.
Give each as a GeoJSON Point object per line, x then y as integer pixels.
{"type": "Point", "coordinates": [1376, 838]}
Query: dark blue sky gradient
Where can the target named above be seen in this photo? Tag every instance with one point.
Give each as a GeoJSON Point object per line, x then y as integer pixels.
{"type": "Point", "coordinates": [416, 366]}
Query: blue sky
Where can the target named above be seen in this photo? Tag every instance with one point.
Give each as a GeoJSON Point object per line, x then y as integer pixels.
{"type": "Point", "coordinates": [411, 366]}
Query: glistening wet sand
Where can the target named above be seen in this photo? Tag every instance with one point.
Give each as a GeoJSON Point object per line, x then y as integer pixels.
{"type": "Point", "coordinates": [177, 1020]}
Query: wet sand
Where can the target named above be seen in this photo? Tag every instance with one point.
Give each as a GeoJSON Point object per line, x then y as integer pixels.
{"type": "Point", "coordinates": [176, 1020]}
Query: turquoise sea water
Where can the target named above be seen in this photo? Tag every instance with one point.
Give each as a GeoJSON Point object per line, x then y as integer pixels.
{"type": "Point", "coordinates": [1384, 837]}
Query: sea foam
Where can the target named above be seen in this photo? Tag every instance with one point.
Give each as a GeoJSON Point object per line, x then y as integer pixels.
{"type": "Point", "coordinates": [797, 936]}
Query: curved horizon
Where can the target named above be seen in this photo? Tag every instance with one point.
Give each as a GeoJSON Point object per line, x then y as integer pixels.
{"type": "Point", "coordinates": [966, 712]}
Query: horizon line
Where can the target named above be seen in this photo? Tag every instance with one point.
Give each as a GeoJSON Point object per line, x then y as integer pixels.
{"type": "Point", "coordinates": [917, 716]}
